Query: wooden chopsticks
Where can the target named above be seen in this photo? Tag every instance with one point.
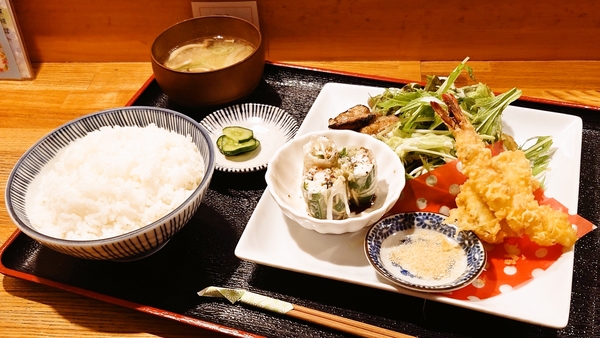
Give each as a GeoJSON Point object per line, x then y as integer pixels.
{"type": "Point", "coordinates": [300, 312]}
{"type": "Point", "coordinates": [341, 323]}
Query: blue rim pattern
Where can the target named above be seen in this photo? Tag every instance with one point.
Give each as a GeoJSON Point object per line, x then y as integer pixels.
{"type": "Point", "coordinates": [135, 244]}
{"type": "Point", "coordinates": [215, 122]}
{"type": "Point", "coordinates": [469, 242]}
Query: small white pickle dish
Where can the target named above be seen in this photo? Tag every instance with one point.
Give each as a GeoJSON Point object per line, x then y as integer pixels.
{"type": "Point", "coordinates": [284, 181]}
{"type": "Point", "coordinates": [272, 126]}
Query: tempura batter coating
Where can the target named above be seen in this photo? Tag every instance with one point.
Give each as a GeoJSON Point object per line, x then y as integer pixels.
{"type": "Point", "coordinates": [497, 199]}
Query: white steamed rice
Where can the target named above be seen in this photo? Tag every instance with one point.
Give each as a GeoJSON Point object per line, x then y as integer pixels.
{"type": "Point", "coordinates": [112, 181]}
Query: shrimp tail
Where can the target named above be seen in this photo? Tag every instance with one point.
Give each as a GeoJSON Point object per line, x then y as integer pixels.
{"type": "Point", "coordinates": [453, 117]}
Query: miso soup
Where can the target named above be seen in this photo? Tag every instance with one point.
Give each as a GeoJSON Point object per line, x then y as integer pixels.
{"type": "Point", "coordinates": [208, 53]}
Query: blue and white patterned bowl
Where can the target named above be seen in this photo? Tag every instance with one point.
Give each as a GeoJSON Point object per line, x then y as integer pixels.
{"type": "Point", "coordinates": [271, 125]}
{"type": "Point", "coordinates": [129, 246]}
{"type": "Point", "coordinates": [407, 229]}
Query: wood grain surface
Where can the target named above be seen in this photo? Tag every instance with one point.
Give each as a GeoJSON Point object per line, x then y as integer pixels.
{"type": "Point", "coordinates": [510, 30]}
{"type": "Point", "coordinates": [63, 91]}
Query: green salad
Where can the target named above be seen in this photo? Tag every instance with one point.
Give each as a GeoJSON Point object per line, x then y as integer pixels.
{"type": "Point", "coordinates": [421, 139]}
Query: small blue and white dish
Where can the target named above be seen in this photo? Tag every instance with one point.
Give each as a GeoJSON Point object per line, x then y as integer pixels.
{"type": "Point", "coordinates": [271, 125]}
{"type": "Point", "coordinates": [418, 251]}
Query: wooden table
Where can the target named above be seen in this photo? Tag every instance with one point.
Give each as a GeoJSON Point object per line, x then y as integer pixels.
{"type": "Point", "coordinates": [63, 91]}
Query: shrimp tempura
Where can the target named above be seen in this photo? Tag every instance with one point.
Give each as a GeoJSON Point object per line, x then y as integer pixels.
{"type": "Point", "coordinates": [497, 200]}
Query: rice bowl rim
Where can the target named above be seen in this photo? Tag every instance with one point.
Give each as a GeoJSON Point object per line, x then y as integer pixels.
{"type": "Point", "coordinates": [30, 231]}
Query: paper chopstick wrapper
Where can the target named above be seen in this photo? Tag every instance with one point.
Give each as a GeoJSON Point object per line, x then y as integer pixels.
{"type": "Point", "coordinates": [300, 312]}
{"type": "Point", "coordinates": [247, 297]}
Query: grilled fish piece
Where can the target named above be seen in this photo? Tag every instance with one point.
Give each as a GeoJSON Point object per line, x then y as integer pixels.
{"type": "Point", "coordinates": [353, 118]}
{"type": "Point", "coordinates": [380, 123]}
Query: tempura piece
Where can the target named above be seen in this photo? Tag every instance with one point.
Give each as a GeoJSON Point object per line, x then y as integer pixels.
{"type": "Point", "coordinates": [497, 199]}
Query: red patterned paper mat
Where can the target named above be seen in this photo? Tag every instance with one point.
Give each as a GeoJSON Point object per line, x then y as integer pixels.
{"type": "Point", "coordinates": [510, 264]}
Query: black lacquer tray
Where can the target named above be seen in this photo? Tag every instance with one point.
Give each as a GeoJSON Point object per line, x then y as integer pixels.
{"type": "Point", "coordinates": [202, 254]}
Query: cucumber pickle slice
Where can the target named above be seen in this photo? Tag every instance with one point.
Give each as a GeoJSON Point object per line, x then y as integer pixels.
{"type": "Point", "coordinates": [229, 143]}
{"type": "Point", "coordinates": [238, 133]}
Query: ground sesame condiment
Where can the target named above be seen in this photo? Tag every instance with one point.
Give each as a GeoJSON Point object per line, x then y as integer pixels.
{"type": "Point", "coordinates": [429, 255]}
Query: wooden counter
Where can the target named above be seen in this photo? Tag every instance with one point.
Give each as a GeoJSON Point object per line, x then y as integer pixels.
{"type": "Point", "coordinates": [63, 91]}
{"type": "Point", "coordinates": [115, 30]}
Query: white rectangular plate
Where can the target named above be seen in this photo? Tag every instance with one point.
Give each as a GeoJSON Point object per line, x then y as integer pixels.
{"type": "Point", "coordinates": [272, 239]}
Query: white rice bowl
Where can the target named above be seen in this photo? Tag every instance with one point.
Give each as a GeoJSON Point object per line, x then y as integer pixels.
{"type": "Point", "coordinates": [112, 181]}
{"type": "Point", "coordinates": [116, 184]}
